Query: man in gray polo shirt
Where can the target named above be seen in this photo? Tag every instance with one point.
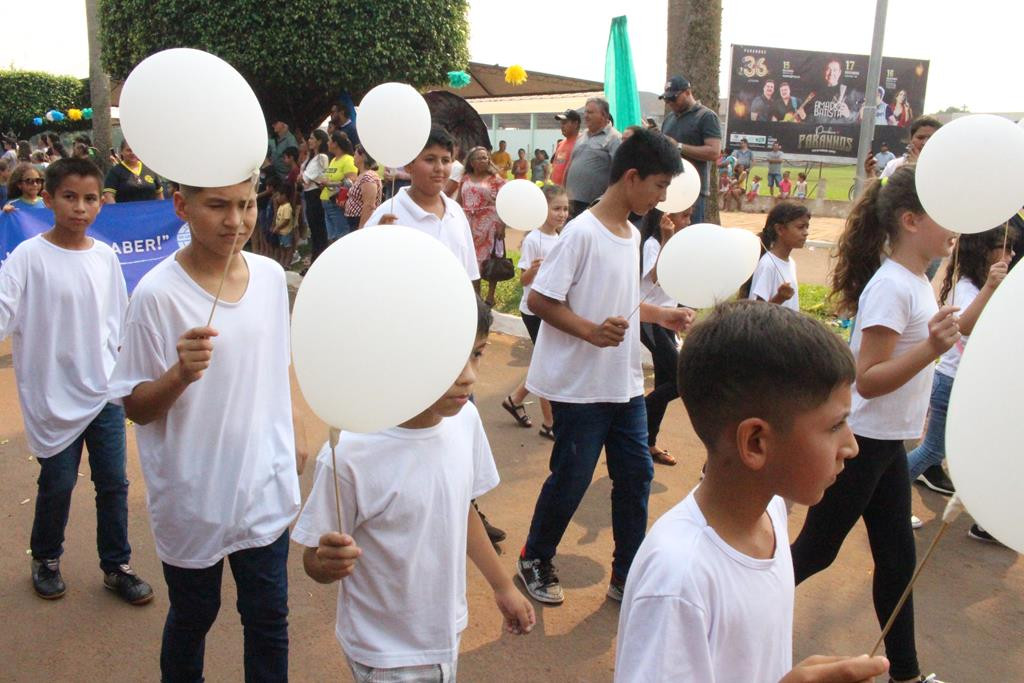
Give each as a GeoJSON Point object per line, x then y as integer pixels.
{"type": "Point", "coordinates": [697, 132]}
{"type": "Point", "coordinates": [591, 163]}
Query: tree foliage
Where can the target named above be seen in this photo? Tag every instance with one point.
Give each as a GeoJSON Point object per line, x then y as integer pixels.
{"type": "Point", "coordinates": [298, 56]}
{"type": "Point", "coordinates": [25, 95]}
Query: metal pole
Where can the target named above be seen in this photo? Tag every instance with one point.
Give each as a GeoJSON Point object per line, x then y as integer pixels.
{"type": "Point", "coordinates": [533, 134]}
{"type": "Point", "coordinates": [867, 123]}
{"type": "Point", "coordinates": [494, 131]}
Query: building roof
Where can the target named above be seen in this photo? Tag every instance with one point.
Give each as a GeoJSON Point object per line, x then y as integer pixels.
{"type": "Point", "coordinates": [488, 80]}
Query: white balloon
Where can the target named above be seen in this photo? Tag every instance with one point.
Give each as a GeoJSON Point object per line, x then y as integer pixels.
{"type": "Point", "coordinates": [192, 118]}
{"type": "Point", "coordinates": [521, 205]}
{"type": "Point", "coordinates": [393, 123]}
{"type": "Point", "coordinates": [356, 364]}
{"type": "Point", "coordinates": [683, 191]}
{"type": "Point", "coordinates": [983, 420]}
{"type": "Point", "coordinates": [705, 264]}
{"type": "Point", "coordinates": [963, 179]}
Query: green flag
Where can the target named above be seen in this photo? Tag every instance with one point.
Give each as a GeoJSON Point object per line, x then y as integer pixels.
{"type": "Point", "coordinates": [619, 79]}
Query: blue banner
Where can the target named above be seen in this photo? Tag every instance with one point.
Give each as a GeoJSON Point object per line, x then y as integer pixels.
{"type": "Point", "coordinates": [141, 233]}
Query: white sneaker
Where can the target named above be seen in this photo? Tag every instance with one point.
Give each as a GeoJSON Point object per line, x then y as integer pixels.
{"type": "Point", "coordinates": [915, 522]}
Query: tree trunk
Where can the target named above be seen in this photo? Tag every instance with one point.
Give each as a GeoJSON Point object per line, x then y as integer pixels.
{"type": "Point", "coordinates": [694, 46]}
{"type": "Point", "coordinates": [99, 88]}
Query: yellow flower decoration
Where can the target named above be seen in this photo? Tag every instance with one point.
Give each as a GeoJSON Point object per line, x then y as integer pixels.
{"type": "Point", "coordinates": [75, 114]}
{"type": "Point", "coordinates": [515, 75]}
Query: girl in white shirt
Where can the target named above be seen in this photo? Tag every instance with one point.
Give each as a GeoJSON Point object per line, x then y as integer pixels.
{"type": "Point", "coordinates": [774, 280]}
{"type": "Point", "coordinates": [535, 248]}
{"type": "Point", "coordinates": [314, 167]}
{"type": "Point", "coordinates": [898, 334]}
{"type": "Point", "coordinates": [982, 263]}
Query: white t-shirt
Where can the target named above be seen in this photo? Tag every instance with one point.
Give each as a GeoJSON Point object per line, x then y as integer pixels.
{"type": "Point", "coordinates": [65, 309]}
{"type": "Point", "coordinates": [220, 465]}
{"type": "Point", "coordinates": [697, 609]}
{"type": "Point", "coordinates": [458, 170]}
{"type": "Point", "coordinates": [452, 230]}
{"type": "Point", "coordinates": [650, 291]}
{"type": "Point", "coordinates": [965, 294]}
{"type": "Point", "coordinates": [536, 245]}
{"type": "Point", "coordinates": [904, 302]}
{"type": "Point", "coordinates": [594, 273]}
{"type": "Point", "coordinates": [769, 275]}
{"type": "Point", "coordinates": [405, 499]}
{"type": "Point", "coordinates": [313, 168]}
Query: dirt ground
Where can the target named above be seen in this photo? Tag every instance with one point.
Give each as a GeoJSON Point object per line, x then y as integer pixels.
{"type": "Point", "coordinates": [969, 607]}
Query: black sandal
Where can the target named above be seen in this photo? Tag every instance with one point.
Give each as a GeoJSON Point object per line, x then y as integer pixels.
{"type": "Point", "coordinates": [517, 411]}
{"type": "Point", "coordinates": [546, 432]}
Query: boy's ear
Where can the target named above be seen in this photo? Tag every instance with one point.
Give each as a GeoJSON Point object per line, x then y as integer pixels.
{"type": "Point", "coordinates": [752, 442]}
{"type": "Point", "coordinates": [181, 206]}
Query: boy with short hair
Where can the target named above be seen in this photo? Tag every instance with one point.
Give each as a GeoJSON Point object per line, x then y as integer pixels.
{"type": "Point", "coordinates": [405, 497]}
{"type": "Point", "coordinates": [710, 597]}
{"type": "Point", "coordinates": [587, 363]}
{"type": "Point", "coordinates": [284, 224]}
{"type": "Point", "coordinates": [63, 298]}
{"type": "Point", "coordinates": [218, 441]}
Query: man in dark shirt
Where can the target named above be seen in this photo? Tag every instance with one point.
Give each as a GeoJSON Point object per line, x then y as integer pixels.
{"type": "Point", "coordinates": [697, 132]}
{"type": "Point", "coordinates": [765, 106]}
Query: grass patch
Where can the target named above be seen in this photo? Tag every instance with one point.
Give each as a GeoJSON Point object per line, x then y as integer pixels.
{"type": "Point", "coordinates": [838, 179]}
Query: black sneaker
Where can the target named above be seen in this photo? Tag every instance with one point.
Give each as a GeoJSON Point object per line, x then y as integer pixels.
{"type": "Point", "coordinates": [936, 479]}
{"type": "Point", "coordinates": [128, 586]}
{"type": "Point", "coordinates": [494, 533]}
{"type": "Point", "coordinates": [979, 534]}
{"type": "Point", "coordinates": [540, 580]}
{"type": "Point", "coordinates": [46, 579]}
{"type": "Point", "coordinates": [616, 588]}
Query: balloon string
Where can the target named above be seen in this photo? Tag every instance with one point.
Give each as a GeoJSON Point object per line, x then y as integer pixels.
{"type": "Point", "coordinates": [227, 266]}
{"type": "Point", "coordinates": [333, 437]}
{"type": "Point", "coordinates": [1006, 234]}
{"type": "Point", "coordinates": [776, 265]}
{"type": "Point", "coordinates": [909, 588]}
{"type": "Point", "coordinates": [392, 210]}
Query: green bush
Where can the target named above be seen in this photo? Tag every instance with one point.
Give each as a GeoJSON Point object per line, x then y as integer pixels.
{"type": "Point", "coordinates": [27, 94]}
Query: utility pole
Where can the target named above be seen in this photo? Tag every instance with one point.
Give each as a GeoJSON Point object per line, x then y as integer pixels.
{"type": "Point", "coordinates": [867, 123]}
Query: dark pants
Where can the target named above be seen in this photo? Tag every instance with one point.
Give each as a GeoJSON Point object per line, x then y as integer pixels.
{"type": "Point", "coordinates": [581, 431]}
{"type": "Point", "coordinates": [662, 345]}
{"type": "Point", "coordinates": [874, 486]}
{"type": "Point", "coordinates": [315, 220]}
{"type": "Point", "coordinates": [261, 577]}
{"type": "Point", "coordinates": [697, 215]}
{"type": "Point", "coordinates": [532, 323]}
{"type": "Point", "coordinates": [58, 474]}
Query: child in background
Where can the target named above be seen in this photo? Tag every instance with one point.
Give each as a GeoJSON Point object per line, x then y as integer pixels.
{"type": "Point", "coordinates": [774, 279]}
{"type": "Point", "coordinates": [218, 441]}
{"type": "Point", "coordinates": [982, 263]}
{"type": "Point", "coordinates": [284, 225]}
{"type": "Point", "coordinates": [755, 187]}
{"type": "Point", "coordinates": [587, 363]}
{"type": "Point", "coordinates": [786, 186]}
{"type": "Point", "coordinates": [406, 506]}
{"type": "Point", "coordinates": [655, 230]}
{"type": "Point", "coordinates": [710, 596]}
{"type": "Point", "coordinates": [801, 186]}
{"type": "Point", "coordinates": [63, 298]}
{"type": "Point", "coordinates": [535, 248]}
{"type": "Point", "coordinates": [898, 333]}
{"type": "Point", "coordinates": [24, 188]}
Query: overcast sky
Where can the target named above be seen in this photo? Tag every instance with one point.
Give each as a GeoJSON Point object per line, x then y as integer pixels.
{"type": "Point", "coordinates": [975, 54]}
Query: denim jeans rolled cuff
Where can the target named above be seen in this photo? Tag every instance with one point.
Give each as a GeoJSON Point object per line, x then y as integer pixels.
{"type": "Point", "coordinates": [105, 439]}
{"type": "Point", "coordinates": [582, 430]}
{"type": "Point", "coordinates": [261, 578]}
{"type": "Point", "coordinates": [932, 450]}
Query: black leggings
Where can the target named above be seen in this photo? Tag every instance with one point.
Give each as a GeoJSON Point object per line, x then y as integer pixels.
{"type": "Point", "coordinates": [876, 486]}
{"type": "Point", "coordinates": [662, 345]}
{"type": "Point", "coordinates": [315, 219]}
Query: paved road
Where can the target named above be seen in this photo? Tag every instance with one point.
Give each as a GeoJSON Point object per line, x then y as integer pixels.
{"type": "Point", "coordinates": [969, 608]}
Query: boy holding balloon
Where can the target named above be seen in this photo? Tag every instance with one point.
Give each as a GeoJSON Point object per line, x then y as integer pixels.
{"type": "Point", "coordinates": [217, 443]}
{"type": "Point", "coordinates": [587, 363]}
{"type": "Point", "coordinates": [405, 497]}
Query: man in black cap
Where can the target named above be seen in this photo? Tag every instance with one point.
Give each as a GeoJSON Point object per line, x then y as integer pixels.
{"type": "Point", "coordinates": [570, 120]}
{"type": "Point", "coordinates": [697, 132]}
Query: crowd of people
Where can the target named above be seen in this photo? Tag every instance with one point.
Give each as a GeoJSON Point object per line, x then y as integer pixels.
{"type": "Point", "coordinates": [780, 403]}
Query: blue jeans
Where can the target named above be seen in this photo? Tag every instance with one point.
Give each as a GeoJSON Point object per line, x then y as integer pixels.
{"type": "Point", "coordinates": [932, 450]}
{"type": "Point", "coordinates": [697, 215]}
{"type": "Point", "coordinates": [58, 475]}
{"type": "Point", "coordinates": [261, 577]}
{"type": "Point", "coordinates": [581, 431]}
{"type": "Point", "coordinates": [334, 217]}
